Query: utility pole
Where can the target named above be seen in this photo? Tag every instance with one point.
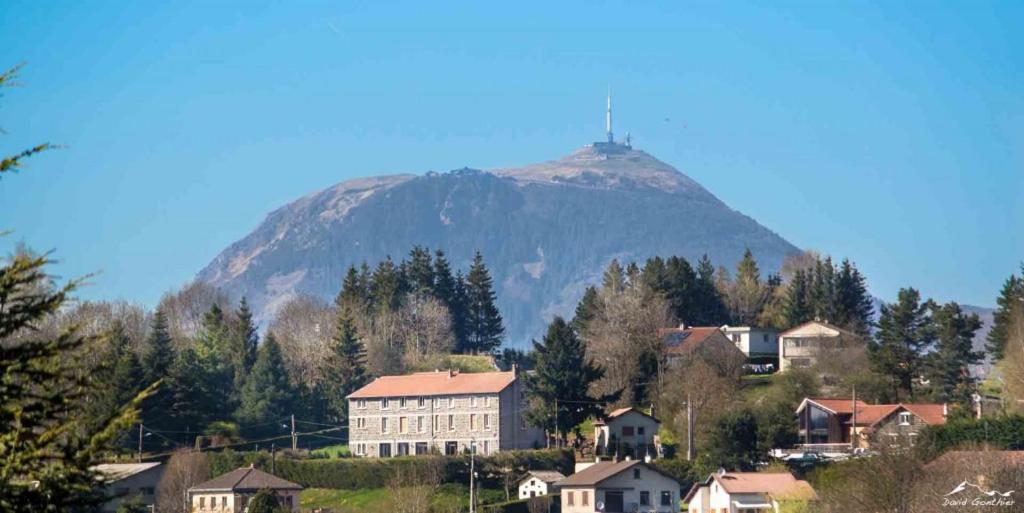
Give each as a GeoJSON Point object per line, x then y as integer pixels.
{"type": "Point", "coordinates": [295, 437]}
{"type": "Point", "coordinates": [273, 459]}
{"type": "Point", "coordinates": [557, 442]}
{"type": "Point", "coordinates": [853, 427]}
{"type": "Point", "coordinates": [140, 442]}
{"type": "Point", "coordinates": [689, 428]}
{"type": "Point", "coordinates": [472, 472]}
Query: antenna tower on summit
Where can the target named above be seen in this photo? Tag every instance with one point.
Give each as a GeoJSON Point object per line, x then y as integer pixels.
{"type": "Point", "coordinates": [608, 117]}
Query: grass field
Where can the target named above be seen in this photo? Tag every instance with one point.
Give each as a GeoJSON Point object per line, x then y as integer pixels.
{"type": "Point", "coordinates": [331, 451]}
{"type": "Point", "coordinates": [447, 497]}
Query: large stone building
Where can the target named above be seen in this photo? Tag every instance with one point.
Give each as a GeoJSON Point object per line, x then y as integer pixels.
{"type": "Point", "coordinates": [442, 411]}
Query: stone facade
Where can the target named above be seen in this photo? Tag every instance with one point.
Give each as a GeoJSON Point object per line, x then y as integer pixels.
{"type": "Point", "coordinates": [444, 424]}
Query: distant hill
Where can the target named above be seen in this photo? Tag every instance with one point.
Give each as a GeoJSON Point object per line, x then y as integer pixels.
{"type": "Point", "coordinates": [546, 231]}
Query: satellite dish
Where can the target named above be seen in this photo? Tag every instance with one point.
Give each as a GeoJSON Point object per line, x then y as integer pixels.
{"type": "Point", "coordinates": [600, 506]}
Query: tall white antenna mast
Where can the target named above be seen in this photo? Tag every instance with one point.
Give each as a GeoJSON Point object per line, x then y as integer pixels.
{"type": "Point", "coordinates": [608, 117]}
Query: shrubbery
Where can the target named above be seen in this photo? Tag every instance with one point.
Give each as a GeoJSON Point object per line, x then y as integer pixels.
{"type": "Point", "coordinates": [1002, 432]}
{"type": "Point", "coordinates": [360, 473]}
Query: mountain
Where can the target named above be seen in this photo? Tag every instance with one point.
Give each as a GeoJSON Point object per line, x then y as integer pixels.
{"type": "Point", "coordinates": [546, 231]}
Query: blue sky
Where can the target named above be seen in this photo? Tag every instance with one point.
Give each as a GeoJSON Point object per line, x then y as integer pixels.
{"type": "Point", "coordinates": [891, 133]}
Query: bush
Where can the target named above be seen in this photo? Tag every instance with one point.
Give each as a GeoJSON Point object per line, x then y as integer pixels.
{"type": "Point", "coordinates": [1004, 432]}
{"type": "Point", "coordinates": [359, 473]}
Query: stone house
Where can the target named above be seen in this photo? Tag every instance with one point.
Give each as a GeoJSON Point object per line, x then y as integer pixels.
{"type": "Point", "coordinates": [444, 412]}
{"type": "Point", "coordinates": [539, 482]}
{"type": "Point", "coordinates": [747, 492]}
{"type": "Point", "coordinates": [840, 425]}
{"type": "Point", "coordinates": [231, 492]}
{"type": "Point", "coordinates": [619, 487]}
{"type": "Point", "coordinates": [125, 482]}
{"type": "Point", "coordinates": [627, 432]}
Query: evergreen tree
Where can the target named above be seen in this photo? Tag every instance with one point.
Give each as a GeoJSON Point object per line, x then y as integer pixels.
{"type": "Point", "coordinates": [587, 309]}
{"type": "Point", "coordinates": [192, 402]}
{"type": "Point", "coordinates": [562, 376]}
{"type": "Point", "coordinates": [267, 395]}
{"type": "Point", "coordinates": [345, 369]}
{"type": "Point", "coordinates": [218, 351]}
{"type": "Point", "coordinates": [905, 331]}
{"type": "Point", "coordinates": [747, 293]}
{"type": "Point", "coordinates": [733, 443]}
{"type": "Point", "coordinates": [158, 355]}
{"type": "Point", "coordinates": [462, 342]}
{"type": "Point", "coordinates": [823, 294]}
{"type": "Point", "coordinates": [853, 306]}
{"type": "Point", "coordinates": [265, 501]}
{"type": "Point", "coordinates": [119, 377]}
{"type": "Point", "coordinates": [354, 298]}
{"type": "Point", "coordinates": [1010, 298]}
{"type": "Point", "coordinates": [420, 271]}
{"type": "Point", "coordinates": [247, 341]}
{"type": "Point", "coordinates": [683, 294]}
{"type": "Point", "coordinates": [949, 365]}
{"type": "Point", "coordinates": [387, 286]}
{"type": "Point", "coordinates": [484, 321]}
{"type": "Point", "coordinates": [709, 307]}
{"type": "Point", "coordinates": [614, 280]}
{"type": "Point", "coordinates": [798, 308]}
{"type": "Point", "coordinates": [446, 290]}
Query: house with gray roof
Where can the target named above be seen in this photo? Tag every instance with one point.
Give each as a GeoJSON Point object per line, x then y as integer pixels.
{"type": "Point", "coordinates": [231, 492]}
{"type": "Point", "coordinates": [128, 482]}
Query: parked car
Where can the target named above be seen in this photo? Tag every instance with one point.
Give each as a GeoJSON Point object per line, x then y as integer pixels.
{"type": "Point", "coordinates": [805, 458]}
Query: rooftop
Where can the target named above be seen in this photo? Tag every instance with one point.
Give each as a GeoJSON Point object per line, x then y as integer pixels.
{"type": "Point", "coordinates": [780, 485]}
{"type": "Point", "coordinates": [436, 383]}
{"type": "Point", "coordinates": [548, 476]}
{"type": "Point", "coordinates": [684, 340]}
{"type": "Point", "coordinates": [245, 479]}
{"type": "Point", "coordinates": [602, 470]}
{"type": "Point", "coordinates": [117, 471]}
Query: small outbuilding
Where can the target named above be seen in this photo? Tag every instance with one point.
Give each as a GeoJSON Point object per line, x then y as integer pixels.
{"type": "Point", "coordinates": [538, 482]}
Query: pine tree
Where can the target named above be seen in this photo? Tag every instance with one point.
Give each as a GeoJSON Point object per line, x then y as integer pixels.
{"type": "Point", "coordinates": [120, 376]}
{"type": "Point", "coordinates": [682, 295]}
{"type": "Point", "coordinates": [354, 298]}
{"type": "Point", "coordinates": [587, 309]}
{"type": "Point", "coordinates": [1010, 297]}
{"type": "Point", "coordinates": [823, 293]}
{"type": "Point", "coordinates": [905, 332]}
{"type": "Point", "coordinates": [387, 286]}
{"type": "Point", "coordinates": [420, 271]}
{"type": "Point", "coordinates": [614, 280]}
{"type": "Point", "coordinates": [747, 293]}
{"type": "Point", "coordinates": [158, 355]}
{"type": "Point", "coordinates": [709, 307]}
{"type": "Point", "coordinates": [484, 321]}
{"type": "Point", "coordinates": [798, 308]}
{"type": "Point", "coordinates": [562, 376]}
{"type": "Point", "coordinates": [192, 403]}
{"type": "Point", "coordinates": [949, 365]}
{"type": "Point", "coordinates": [248, 342]}
{"type": "Point", "coordinates": [218, 351]}
{"type": "Point", "coordinates": [853, 306]}
{"type": "Point", "coordinates": [345, 369]}
{"type": "Point", "coordinates": [461, 297]}
{"type": "Point", "coordinates": [446, 290]}
{"type": "Point", "coordinates": [267, 395]}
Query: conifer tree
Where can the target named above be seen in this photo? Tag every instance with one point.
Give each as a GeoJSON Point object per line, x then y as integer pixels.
{"type": "Point", "coordinates": [484, 321]}
{"type": "Point", "coordinates": [420, 271]}
{"type": "Point", "coordinates": [798, 308]}
{"type": "Point", "coordinates": [747, 293]}
{"type": "Point", "coordinates": [682, 295]}
{"type": "Point", "coordinates": [905, 331]}
{"type": "Point", "coordinates": [562, 376]}
{"type": "Point", "coordinates": [193, 403]}
{"type": "Point", "coordinates": [710, 309]}
{"type": "Point", "coordinates": [344, 370]}
{"type": "Point", "coordinates": [1010, 297]}
{"type": "Point", "coordinates": [387, 286]}
{"type": "Point", "coordinates": [587, 309]}
{"type": "Point", "coordinates": [248, 335]}
{"type": "Point", "coordinates": [119, 377]}
{"type": "Point", "coordinates": [823, 294]}
{"type": "Point", "coordinates": [614, 280]}
{"type": "Point", "coordinates": [948, 366]}
{"type": "Point", "coordinates": [461, 318]}
{"type": "Point", "coordinates": [158, 354]}
{"type": "Point", "coordinates": [218, 352]}
{"type": "Point", "coordinates": [446, 290]}
{"type": "Point", "coordinates": [853, 306]}
{"type": "Point", "coordinates": [353, 300]}
{"type": "Point", "coordinates": [267, 395]}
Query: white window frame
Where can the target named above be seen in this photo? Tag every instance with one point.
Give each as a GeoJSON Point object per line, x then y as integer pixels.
{"type": "Point", "coordinates": [421, 403]}
{"type": "Point", "coordinates": [905, 418]}
{"type": "Point", "coordinates": [384, 425]}
{"type": "Point", "coordinates": [451, 422]}
{"type": "Point", "coordinates": [385, 404]}
{"type": "Point", "coordinates": [401, 403]}
{"type": "Point", "coordinates": [361, 404]}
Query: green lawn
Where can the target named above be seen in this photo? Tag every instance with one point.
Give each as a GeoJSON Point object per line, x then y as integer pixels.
{"type": "Point", "coordinates": [459, 362]}
{"type": "Point", "coordinates": [331, 451]}
{"type": "Point", "coordinates": [346, 501]}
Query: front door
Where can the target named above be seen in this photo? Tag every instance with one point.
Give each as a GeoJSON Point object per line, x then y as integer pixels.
{"type": "Point", "coordinates": [613, 502]}
{"type": "Point", "coordinates": [403, 448]}
{"type": "Point", "coordinates": [385, 450]}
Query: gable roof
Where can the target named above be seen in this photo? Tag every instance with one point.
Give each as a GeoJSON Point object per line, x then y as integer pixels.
{"type": "Point", "coordinates": [603, 470]}
{"type": "Point", "coordinates": [775, 484]}
{"type": "Point", "coordinates": [547, 476]}
{"type": "Point", "coordinates": [871, 414]}
{"type": "Point", "coordinates": [113, 472]}
{"type": "Point", "coordinates": [821, 328]}
{"type": "Point", "coordinates": [933, 414]}
{"type": "Point", "coordinates": [832, 405]}
{"type": "Point", "coordinates": [436, 383]}
{"type": "Point", "coordinates": [245, 479]}
{"type": "Point", "coordinates": [683, 340]}
{"type": "Point", "coordinates": [622, 411]}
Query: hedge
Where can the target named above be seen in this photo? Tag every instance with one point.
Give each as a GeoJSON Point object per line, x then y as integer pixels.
{"type": "Point", "coordinates": [1000, 432]}
{"type": "Point", "coordinates": [358, 473]}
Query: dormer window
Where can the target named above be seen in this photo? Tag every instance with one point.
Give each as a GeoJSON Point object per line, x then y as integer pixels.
{"type": "Point", "coordinates": [904, 418]}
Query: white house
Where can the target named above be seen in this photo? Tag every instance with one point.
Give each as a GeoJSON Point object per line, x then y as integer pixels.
{"type": "Point", "coordinates": [627, 432]}
{"type": "Point", "coordinates": [800, 346]}
{"type": "Point", "coordinates": [126, 482]}
{"type": "Point", "coordinates": [538, 482]}
{"type": "Point", "coordinates": [231, 492]}
{"type": "Point", "coordinates": [747, 492]}
{"type": "Point", "coordinates": [757, 343]}
{"type": "Point", "coordinates": [619, 487]}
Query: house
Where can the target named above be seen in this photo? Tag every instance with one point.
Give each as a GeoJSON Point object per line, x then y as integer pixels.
{"type": "Point", "coordinates": [709, 343]}
{"type": "Point", "coordinates": [801, 346]}
{"type": "Point", "coordinates": [760, 345]}
{"type": "Point", "coordinates": [627, 432]}
{"type": "Point", "coordinates": [126, 482]}
{"type": "Point", "coordinates": [446, 412]}
{"type": "Point", "coordinates": [231, 492]}
{"type": "Point", "coordinates": [747, 492]}
{"type": "Point", "coordinates": [837, 425]}
{"type": "Point", "coordinates": [619, 487]}
{"type": "Point", "coordinates": [538, 482]}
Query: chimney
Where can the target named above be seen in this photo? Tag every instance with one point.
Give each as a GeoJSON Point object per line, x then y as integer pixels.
{"type": "Point", "coordinates": [682, 325]}
{"type": "Point", "coordinates": [513, 370]}
{"type": "Point", "coordinates": [945, 410]}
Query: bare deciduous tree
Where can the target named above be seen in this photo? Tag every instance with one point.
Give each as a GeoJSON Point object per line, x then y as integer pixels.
{"type": "Point", "coordinates": [185, 469]}
{"type": "Point", "coordinates": [413, 484]}
{"type": "Point", "coordinates": [185, 308]}
{"type": "Point", "coordinates": [1013, 360]}
{"type": "Point", "coordinates": [303, 328]}
{"type": "Point", "coordinates": [426, 329]}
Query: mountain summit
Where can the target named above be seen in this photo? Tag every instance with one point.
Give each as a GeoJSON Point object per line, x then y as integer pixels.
{"type": "Point", "coordinates": [546, 230]}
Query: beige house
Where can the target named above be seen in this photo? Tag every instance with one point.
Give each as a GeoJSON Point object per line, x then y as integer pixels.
{"type": "Point", "coordinates": [126, 482]}
{"type": "Point", "coordinates": [627, 432]}
{"type": "Point", "coordinates": [747, 492]}
{"type": "Point", "coordinates": [801, 346]}
{"type": "Point", "coordinates": [840, 425]}
{"type": "Point", "coordinates": [538, 482]}
{"type": "Point", "coordinates": [759, 344]}
{"type": "Point", "coordinates": [231, 492]}
{"type": "Point", "coordinates": [619, 487]}
{"type": "Point", "coordinates": [446, 412]}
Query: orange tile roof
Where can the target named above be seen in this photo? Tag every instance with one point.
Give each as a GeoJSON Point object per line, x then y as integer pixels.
{"type": "Point", "coordinates": [933, 414]}
{"type": "Point", "coordinates": [684, 340]}
{"type": "Point", "coordinates": [436, 383]}
{"type": "Point", "coordinates": [781, 485]}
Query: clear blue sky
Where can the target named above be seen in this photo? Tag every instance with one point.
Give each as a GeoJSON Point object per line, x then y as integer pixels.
{"type": "Point", "coordinates": [891, 133]}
